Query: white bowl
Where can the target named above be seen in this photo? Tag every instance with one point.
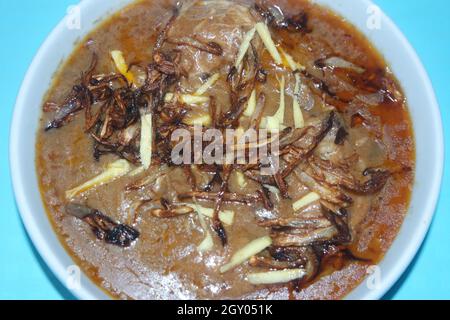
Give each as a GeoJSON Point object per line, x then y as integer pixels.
{"type": "Point", "coordinates": [389, 41]}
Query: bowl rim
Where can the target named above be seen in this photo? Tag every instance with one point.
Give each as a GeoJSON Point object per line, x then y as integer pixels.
{"type": "Point", "coordinates": [84, 292]}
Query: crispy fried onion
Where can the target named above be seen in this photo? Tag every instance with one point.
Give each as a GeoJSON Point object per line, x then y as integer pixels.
{"type": "Point", "coordinates": [241, 82]}
{"type": "Point", "coordinates": [301, 242]}
{"type": "Point", "coordinates": [339, 176]}
{"type": "Point", "coordinates": [103, 227]}
{"type": "Point", "coordinates": [112, 107]}
{"type": "Point", "coordinates": [168, 210]}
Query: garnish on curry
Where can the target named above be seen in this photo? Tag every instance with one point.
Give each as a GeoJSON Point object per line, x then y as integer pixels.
{"type": "Point", "coordinates": [142, 225]}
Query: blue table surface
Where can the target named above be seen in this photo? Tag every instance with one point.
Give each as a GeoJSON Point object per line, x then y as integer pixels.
{"type": "Point", "coordinates": [26, 23]}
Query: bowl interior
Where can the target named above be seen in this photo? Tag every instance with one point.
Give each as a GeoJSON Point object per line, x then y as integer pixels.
{"type": "Point", "coordinates": [387, 39]}
{"type": "Point", "coordinates": [428, 133]}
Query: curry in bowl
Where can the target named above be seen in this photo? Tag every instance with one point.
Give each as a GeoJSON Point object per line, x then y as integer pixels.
{"type": "Point", "coordinates": [147, 215]}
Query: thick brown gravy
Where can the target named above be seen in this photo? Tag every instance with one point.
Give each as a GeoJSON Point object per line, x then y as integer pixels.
{"type": "Point", "coordinates": [164, 263]}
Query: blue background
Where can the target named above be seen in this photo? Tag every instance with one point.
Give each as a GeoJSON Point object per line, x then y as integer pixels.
{"type": "Point", "coordinates": [24, 26]}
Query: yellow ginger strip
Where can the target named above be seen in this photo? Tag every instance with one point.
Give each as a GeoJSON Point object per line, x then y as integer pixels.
{"type": "Point", "coordinates": [188, 99]}
{"type": "Point", "coordinates": [191, 99]}
{"type": "Point", "coordinates": [273, 277]}
{"type": "Point", "coordinates": [251, 104]}
{"type": "Point", "coordinates": [169, 97]}
{"type": "Point", "coordinates": [114, 170]}
{"type": "Point", "coordinates": [208, 243]}
{"type": "Point", "coordinates": [146, 140]}
{"type": "Point", "coordinates": [306, 200]}
{"type": "Point", "coordinates": [264, 33]}
{"type": "Point", "coordinates": [226, 216]}
{"type": "Point", "coordinates": [272, 124]}
{"type": "Point", "coordinates": [137, 171]}
{"type": "Point", "coordinates": [299, 121]}
{"type": "Point", "coordinates": [197, 97]}
{"type": "Point", "coordinates": [288, 61]}
{"type": "Point", "coordinates": [252, 248]}
{"type": "Point", "coordinates": [202, 120]}
{"type": "Point", "coordinates": [240, 178]}
{"type": "Point", "coordinates": [122, 66]}
{"type": "Point", "coordinates": [295, 66]}
{"type": "Point", "coordinates": [244, 46]}
{"type": "Point", "coordinates": [280, 112]}
{"type": "Point", "coordinates": [275, 122]}
{"type": "Point", "coordinates": [208, 84]}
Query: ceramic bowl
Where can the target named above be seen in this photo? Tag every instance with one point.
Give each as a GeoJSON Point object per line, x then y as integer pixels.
{"type": "Point", "coordinates": [381, 31]}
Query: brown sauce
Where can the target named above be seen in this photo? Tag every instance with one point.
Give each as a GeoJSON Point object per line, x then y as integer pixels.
{"type": "Point", "coordinates": [164, 263]}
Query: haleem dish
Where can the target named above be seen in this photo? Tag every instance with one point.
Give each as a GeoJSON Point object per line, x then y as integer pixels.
{"type": "Point", "coordinates": [225, 150]}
